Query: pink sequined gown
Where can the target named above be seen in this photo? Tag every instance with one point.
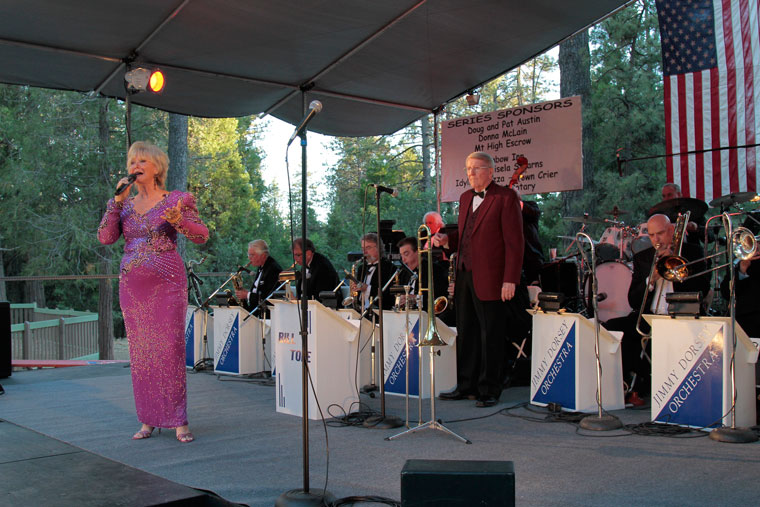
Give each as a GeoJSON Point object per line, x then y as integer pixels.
{"type": "Point", "coordinates": [153, 298]}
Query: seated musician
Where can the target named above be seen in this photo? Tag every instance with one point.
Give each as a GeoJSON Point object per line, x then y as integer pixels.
{"type": "Point", "coordinates": [265, 279]}
{"type": "Point", "coordinates": [368, 282]}
{"type": "Point", "coordinates": [410, 260]}
{"type": "Point", "coordinates": [320, 273]}
{"type": "Point", "coordinates": [649, 294]}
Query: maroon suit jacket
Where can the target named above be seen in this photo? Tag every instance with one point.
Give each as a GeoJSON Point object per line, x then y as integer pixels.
{"type": "Point", "coordinates": [497, 240]}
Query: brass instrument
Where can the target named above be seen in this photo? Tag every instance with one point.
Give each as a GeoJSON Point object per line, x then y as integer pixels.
{"type": "Point", "coordinates": [673, 267]}
{"type": "Point", "coordinates": [646, 336]}
{"type": "Point", "coordinates": [669, 267]}
{"type": "Point", "coordinates": [743, 246]}
{"type": "Point", "coordinates": [356, 293]}
{"type": "Point", "coordinates": [431, 337]}
{"type": "Point", "coordinates": [287, 274]}
{"type": "Point", "coordinates": [237, 280]}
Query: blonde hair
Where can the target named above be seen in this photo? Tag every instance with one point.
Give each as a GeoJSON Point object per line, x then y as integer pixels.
{"type": "Point", "coordinates": [155, 155]}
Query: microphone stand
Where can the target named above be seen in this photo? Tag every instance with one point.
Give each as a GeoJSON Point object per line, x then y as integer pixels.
{"type": "Point", "coordinates": [599, 422]}
{"type": "Point", "coordinates": [732, 434]}
{"type": "Point", "coordinates": [304, 496]}
{"type": "Point", "coordinates": [263, 301]}
{"type": "Point", "coordinates": [195, 282]}
{"type": "Point", "coordinates": [381, 421]}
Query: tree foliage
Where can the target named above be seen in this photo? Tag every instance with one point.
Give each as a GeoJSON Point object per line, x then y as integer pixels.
{"type": "Point", "coordinates": [58, 172]}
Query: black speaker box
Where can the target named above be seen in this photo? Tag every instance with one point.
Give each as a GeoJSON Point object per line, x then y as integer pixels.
{"type": "Point", "coordinates": [450, 483]}
{"type": "Point", "coordinates": [5, 339]}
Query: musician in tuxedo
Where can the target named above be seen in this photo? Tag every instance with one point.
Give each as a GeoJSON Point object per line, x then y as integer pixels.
{"type": "Point", "coordinates": [489, 244]}
{"type": "Point", "coordinates": [661, 232]}
{"type": "Point", "coordinates": [367, 277]}
{"type": "Point", "coordinates": [410, 259]}
{"type": "Point", "coordinates": [637, 371]}
{"type": "Point", "coordinates": [265, 279]}
{"type": "Point", "coordinates": [320, 273]}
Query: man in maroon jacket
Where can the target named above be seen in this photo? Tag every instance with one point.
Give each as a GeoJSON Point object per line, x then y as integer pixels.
{"type": "Point", "coordinates": [489, 245]}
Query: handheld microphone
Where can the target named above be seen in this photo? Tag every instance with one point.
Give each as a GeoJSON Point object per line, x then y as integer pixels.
{"type": "Point", "coordinates": [130, 179]}
{"type": "Point", "coordinates": [387, 190]}
{"type": "Point", "coordinates": [314, 108]}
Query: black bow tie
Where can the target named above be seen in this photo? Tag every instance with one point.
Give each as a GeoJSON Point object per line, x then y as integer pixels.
{"type": "Point", "coordinates": [481, 194]}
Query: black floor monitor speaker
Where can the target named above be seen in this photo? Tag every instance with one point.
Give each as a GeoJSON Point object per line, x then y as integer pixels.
{"type": "Point", "coordinates": [5, 339]}
{"type": "Point", "coordinates": [450, 483]}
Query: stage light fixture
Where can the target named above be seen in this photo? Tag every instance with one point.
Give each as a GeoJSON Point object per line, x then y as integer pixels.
{"type": "Point", "coordinates": [141, 79]}
{"type": "Point", "coordinates": [472, 98]}
{"type": "Point", "coordinates": [156, 82]}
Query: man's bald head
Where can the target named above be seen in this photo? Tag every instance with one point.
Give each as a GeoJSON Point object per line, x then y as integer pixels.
{"type": "Point", "coordinates": [660, 231]}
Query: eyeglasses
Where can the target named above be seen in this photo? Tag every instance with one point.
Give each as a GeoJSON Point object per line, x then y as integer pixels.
{"type": "Point", "coordinates": [473, 169]}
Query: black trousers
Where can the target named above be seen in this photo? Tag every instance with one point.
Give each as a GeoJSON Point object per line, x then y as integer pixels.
{"type": "Point", "coordinates": [481, 340]}
{"type": "Point", "coordinates": [631, 350]}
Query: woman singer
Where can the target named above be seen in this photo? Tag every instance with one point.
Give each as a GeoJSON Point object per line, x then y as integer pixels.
{"type": "Point", "coordinates": [153, 286]}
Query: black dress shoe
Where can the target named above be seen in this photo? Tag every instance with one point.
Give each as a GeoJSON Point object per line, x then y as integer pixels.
{"type": "Point", "coordinates": [486, 401]}
{"type": "Point", "coordinates": [456, 394]}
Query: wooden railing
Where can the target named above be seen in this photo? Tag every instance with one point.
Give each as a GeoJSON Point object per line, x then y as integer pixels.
{"type": "Point", "coordinates": [43, 333]}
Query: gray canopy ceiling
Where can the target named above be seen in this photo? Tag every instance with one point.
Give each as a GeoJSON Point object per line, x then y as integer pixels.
{"type": "Point", "coordinates": [376, 65]}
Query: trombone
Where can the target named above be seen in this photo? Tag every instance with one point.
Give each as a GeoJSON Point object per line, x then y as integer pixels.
{"type": "Point", "coordinates": [431, 338]}
{"type": "Point", "coordinates": [669, 267]}
{"type": "Point", "coordinates": [743, 245]}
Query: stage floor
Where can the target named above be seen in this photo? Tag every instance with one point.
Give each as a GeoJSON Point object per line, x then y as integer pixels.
{"type": "Point", "coordinates": [246, 452]}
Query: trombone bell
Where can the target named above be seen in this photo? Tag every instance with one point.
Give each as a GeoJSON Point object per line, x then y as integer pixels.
{"type": "Point", "coordinates": [673, 268]}
{"type": "Point", "coordinates": [744, 244]}
{"type": "Point", "coordinates": [431, 338]}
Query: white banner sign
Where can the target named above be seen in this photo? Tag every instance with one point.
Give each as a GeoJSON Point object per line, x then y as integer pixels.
{"type": "Point", "coordinates": [548, 134]}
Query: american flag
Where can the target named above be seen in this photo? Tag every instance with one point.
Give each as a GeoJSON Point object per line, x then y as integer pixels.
{"type": "Point", "coordinates": [711, 57]}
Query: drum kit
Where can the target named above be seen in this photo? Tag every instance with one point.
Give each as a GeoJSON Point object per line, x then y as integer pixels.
{"type": "Point", "coordinates": [615, 250]}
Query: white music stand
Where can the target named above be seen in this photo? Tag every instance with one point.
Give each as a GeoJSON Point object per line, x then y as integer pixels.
{"type": "Point", "coordinates": [194, 324]}
{"type": "Point", "coordinates": [332, 358]}
{"type": "Point", "coordinates": [691, 372]}
{"type": "Point", "coordinates": [395, 356]}
{"type": "Point", "coordinates": [238, 346]}
{"type": "Point", "coordinates": [563, 363]}
{"type": "Point", "coordinates": [365, 346]}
